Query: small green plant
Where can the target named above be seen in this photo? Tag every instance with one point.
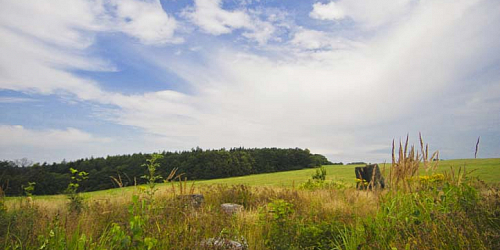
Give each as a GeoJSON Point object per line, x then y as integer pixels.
{"type": "Point", "coordinates": [320, 174]}
{"type": "Point", "coordinates": [318, 181]}
{"type": "Point", "coordinates": [139, 217]}
{"type": "Point", "coordinates": [118, 238]}
{"type": "Point", "coordinates": [76, 201]}
{"type": "Point", "coordinates": [313, 185]}
{"type": "Point", "coordinates": [282, 228]}
{"type": "Point", "coordinates": [28, 190]}
{"type": "Point", "coordinates": [151, 177]}
{"type": "Point", "coordinates": [55, 238]}
{"type": "Point", "coordinates": [350, 238]}
{"type": "Point", "coordinates": [317, 235]}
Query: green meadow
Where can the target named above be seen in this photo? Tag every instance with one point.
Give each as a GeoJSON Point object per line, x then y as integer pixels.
{"type": "Point", "coordinates": [487, 170]}
{"type": "Point", "coordinates": [449, 211]}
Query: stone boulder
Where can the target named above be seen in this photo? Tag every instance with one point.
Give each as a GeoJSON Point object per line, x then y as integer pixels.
{"type": "Point", "coordinates": [369, 175]}
{"type": "Point", "coordinates": [231, 208]}
{"type": "Point", "coordinates": [223, 244]}
{"type": "Point", "coordinates": [194, 200]}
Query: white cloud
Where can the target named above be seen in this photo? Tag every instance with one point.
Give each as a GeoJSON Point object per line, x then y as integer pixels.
{"type": "Point", "coordinates": [314, 39]}
{"type": "Point", "coordinates": [72, 23]}
{"type": "Point", "coordinates": [51, 138]}
{"type": "Point", "coordinates": [261, 31]}
{"type": "Point", "coordinates": [56, 22]}
{"type": "Point", "coordinates": [40, 41]}
{"type": "Point", "coordinates": [28, 65]}
{"type": "Point", "coordinates": [328, 11]}
{"type": "Point", "coordinates": [367, 13]}
{"type": "Point", "coordinates": [213, 19]}
{"type": "Point", "coordinates": [54, 145]}
{"type": "Point", "coordinates": [311, 39]}
{"type": "Point", "coordinates": [146, 21]}
{"type": "Point", "coordinates": [341, 98]}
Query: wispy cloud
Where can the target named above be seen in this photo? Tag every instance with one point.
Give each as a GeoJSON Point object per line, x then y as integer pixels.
{"type": "Point", "coordinates": [46, 138]}
{"type": "Point", "coordinates": [16, 100]}
{"type": "Point", "coordinates": [49, 144]}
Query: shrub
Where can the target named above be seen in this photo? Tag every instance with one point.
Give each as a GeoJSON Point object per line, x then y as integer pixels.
{"type": "Point", "coordinates": [318, 235]}
{"type": "Point", "coordinates": [281, 230]}
{"type": "Point", "coordinates": [320, 174]}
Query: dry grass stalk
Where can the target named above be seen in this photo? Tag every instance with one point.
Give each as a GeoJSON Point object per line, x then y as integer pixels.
{"type": "Point", "coordinates": [457, 177]}
{"type": "Point", "coordinates": [477, 147]}
{"type": "Point", "coordinates": [172, 176]}
{"type": "Point", "coordinates": [409, 162]}
{"type": "Point", "coordinates": [118, 181]}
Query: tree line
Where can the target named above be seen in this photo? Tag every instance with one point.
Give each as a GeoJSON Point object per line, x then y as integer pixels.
{"type": "Point", "coordinates": [126, 170]}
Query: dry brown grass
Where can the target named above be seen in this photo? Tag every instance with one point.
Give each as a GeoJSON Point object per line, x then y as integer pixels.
{"type": "Point", "coordinates": [407, 163]}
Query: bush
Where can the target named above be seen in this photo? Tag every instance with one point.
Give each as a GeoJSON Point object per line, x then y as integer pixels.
{"type": "Point", "coordinates": [320, 174]}
{"type": "Point", "coordinates": [316, 236]}
{"type": "Point", "coordinates": [281, 228]}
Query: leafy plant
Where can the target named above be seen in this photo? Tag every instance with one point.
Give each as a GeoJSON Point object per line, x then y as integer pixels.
{"type": "Point", "coordinates": [152, 164]}
{"type": "Point", "coordinates": [317, 235]}
{"type": "Point", "coordinates": [28, 190]}
{"type": "Point", "coordinates": [320, 174]}
{"type": "Point", "coordinates": [282, 229]}
{"type": "Point", "coordinates": [76, 201]}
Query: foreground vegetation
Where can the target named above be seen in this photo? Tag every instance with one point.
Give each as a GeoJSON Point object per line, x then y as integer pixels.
{"type": "Point", "coordinates": [423, 208]}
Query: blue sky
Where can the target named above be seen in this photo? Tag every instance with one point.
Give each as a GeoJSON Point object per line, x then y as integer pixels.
{"type": "Point", "coordinates": [343, 78]}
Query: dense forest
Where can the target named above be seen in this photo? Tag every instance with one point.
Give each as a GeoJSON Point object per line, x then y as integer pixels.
{"type": "Point", "coordinates": [197, 164]}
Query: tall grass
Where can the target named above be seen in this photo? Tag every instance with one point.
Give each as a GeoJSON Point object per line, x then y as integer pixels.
{"type": "Point", "coordinates": [407, 163]}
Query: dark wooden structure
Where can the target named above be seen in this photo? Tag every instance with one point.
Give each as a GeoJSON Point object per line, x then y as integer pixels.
{"type": "Point", "coordinates": [369, 176]}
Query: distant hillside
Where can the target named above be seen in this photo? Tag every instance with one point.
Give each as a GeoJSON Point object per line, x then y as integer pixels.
{"type": "Point", "coordinates": [197, 164]}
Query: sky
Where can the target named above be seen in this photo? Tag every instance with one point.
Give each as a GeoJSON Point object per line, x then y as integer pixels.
{"type": "Point", "coordinates": [342, 78]}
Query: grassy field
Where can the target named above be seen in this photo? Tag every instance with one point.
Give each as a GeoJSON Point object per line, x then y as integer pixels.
{"type": "Point", "coordinates": [487, 170]}
{"type": "Point", "coordinates": [276, 214]}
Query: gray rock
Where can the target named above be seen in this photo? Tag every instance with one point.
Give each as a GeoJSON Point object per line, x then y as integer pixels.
{"type": "Point", "coordinates": [231, 208]}
{"type": "Point", "coordinates": [223, 244]}
{"type": "Point", "coordinates": [194, 200]}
